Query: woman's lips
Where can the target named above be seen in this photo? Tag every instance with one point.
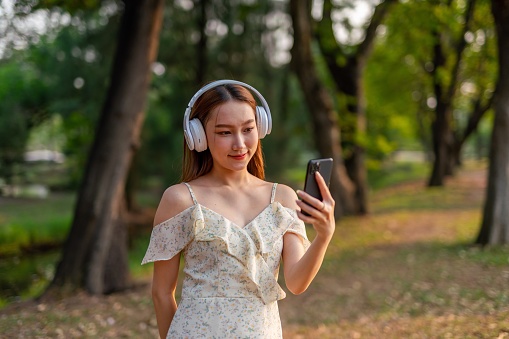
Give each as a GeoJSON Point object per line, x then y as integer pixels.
{"type": "Point", "coordinates": [239, 156]}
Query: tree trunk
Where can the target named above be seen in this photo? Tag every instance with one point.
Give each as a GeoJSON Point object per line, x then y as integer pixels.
{"type": "Point", "coordinates": [478, 111]}
{"type": "Point", "coordinates": [495, 223]}
{"type": "Point", "coordinates": [320, 105]}
{"type": "Point", "coordinates": [348, 77]}
{"type": "Point", "coordinates": [441, 132]}
{"type": "Point", "coordinates": [95, 253]}
{"type": "Point", "coordinates": [356, 162]}
{"type": "Point", "coordinates": [444, 162]}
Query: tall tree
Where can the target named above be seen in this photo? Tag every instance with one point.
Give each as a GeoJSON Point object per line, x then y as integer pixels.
{"type": "Point", "coordinates": [477, 81]}
{"type": "Point", "coordinates": [95, 253]}
{"type": "Point", "coordinates": [495, 223]}
{"type": "Point", "coordinates": [320, 104]}
{"type": "Point", "coordinates": [346, 69]}
{"type": "Point", "coordinates": [442, 136]}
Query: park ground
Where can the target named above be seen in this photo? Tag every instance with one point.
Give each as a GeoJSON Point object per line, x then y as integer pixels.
{"type": "Point", "coordinates": [407, 270]}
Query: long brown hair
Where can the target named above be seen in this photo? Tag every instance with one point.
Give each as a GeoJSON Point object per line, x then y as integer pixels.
{"type": "Point", "coordinates": [196, 164]}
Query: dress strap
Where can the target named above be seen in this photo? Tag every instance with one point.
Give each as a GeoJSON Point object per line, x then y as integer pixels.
{"type": "Point", "coordinates": [192, 193]}
{"type": "Point", "coordinates": [273, 194]}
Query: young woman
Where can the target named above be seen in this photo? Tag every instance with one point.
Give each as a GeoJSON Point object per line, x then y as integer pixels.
{"type": "Point", "coordinates": [231, 225]}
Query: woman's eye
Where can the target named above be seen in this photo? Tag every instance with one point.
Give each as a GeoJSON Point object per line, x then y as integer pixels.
{"type": "Point", "coordinates": [249, 129]}
{"type": "Point", "coordinates": [223, 132]}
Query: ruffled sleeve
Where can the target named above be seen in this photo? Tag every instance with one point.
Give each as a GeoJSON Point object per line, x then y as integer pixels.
{"type": "Point", "coordinates": [171, 236]}
{"type": "Point", "coordinates": [299, 228]}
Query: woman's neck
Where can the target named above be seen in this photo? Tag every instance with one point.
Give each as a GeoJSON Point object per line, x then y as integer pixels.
{"type": "Point", "coordinates": [230, 178]}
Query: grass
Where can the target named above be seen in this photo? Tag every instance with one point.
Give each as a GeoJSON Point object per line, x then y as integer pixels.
{"type": "Point", "coordinates": [390, 174]}
{"type": "Point", "coordinates": [26, 222]}
{"type": "Point", "coordinates": [32, 222]}
{"type": "Point", "coordinates": [407, 270]}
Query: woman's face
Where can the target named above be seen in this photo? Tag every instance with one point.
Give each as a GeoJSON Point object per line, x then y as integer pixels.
{"type": "Point", "coordinates": [232, 135]}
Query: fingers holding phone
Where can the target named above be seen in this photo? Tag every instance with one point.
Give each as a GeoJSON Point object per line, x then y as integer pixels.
{"type": "Point", "coordinates": [311, 205]}
{"type": "Point", "coordinates": [317, 204]}
{"type": "Point", "coordinates": [327, 200]}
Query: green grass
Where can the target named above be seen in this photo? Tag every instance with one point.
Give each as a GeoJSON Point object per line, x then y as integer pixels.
{"type": "Point", "coordinates": [28, 222]}
{"type": "Point", "coordinates": [490, 256]}
{"type": "Point", "coordinates": [394, 173]}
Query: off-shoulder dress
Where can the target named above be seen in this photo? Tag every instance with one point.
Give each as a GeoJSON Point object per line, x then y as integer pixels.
{"type": "Point", "coordinates": [230, 287]}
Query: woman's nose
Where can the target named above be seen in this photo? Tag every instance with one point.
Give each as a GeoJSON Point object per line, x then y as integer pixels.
{"type": "Point", "coordinates": [238, 141]}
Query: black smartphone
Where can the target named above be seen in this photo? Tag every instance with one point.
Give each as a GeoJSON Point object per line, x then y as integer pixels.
{"type": "Point", "coordinates": [324, 166]}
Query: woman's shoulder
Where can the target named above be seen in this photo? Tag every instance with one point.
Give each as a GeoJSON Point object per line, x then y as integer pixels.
{"type": "Point", "coordinates": [174, 200]}
{"type": "Point", "coordinates": [286, 196]}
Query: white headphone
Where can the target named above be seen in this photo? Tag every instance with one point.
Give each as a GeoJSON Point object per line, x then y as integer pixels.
{"type": "Point", "coordinates": [194, 131]}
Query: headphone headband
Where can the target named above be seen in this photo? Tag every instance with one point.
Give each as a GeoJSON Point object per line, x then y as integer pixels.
{"type": "Point", "coordinates": [217, 83]}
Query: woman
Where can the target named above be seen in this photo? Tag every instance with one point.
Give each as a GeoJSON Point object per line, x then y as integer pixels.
{"type": "Point", "coordinates": [232, 226]}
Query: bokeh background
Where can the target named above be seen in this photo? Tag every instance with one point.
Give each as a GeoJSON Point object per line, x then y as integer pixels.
{"type": "Point", "coordinates": [407, 96]}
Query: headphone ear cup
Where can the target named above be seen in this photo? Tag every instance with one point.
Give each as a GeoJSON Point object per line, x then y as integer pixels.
{"type": "Point", "coordinates": [198, 135]}
{"type": "Point", "coordinates": [261, 119]}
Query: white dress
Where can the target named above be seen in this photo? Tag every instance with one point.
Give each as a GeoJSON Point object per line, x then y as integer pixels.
{"type": "Point", "coordinates": [230, 287]}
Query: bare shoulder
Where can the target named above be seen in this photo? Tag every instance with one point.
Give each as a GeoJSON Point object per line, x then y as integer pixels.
{"type": "Point", "coordinates": [286, 196]}
{"type": "Point", "coordinates": [174, 200]}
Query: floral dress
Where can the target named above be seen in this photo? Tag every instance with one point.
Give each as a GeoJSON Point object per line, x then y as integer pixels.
{"type": "Point", "coordinates": [230, 287]}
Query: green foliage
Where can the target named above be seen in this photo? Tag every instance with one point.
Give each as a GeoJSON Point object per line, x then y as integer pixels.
{"type": "Point", "coordinates": [73, 62]}
{"type": "Point", "coordinates": [49, 134]}
{"type": "Point", "coordinates": [46, 223]}
{"type": "Point", "coordinates": [395, 78]}
{"type": "Point", "coordinates": [398, 82]}
{"type": "Point", "coordinates": [232, 45]}
{"type": "Point", "coordinates": [22, 106]}
{"type": "Point", "coordinates": [28, 277]}
{"type": "Point", "coordinates": [136, 254]}
{"type": "Point", "coordinates": [70, 6]}
{"type": "Point", "coordinates": [64, 72]}
{"type": "Point", "coordinates": [79, 132]}
{"type": "Point", "coordinates": [68, 70]}
{"type": "Point", "coordinates": [13, 134]}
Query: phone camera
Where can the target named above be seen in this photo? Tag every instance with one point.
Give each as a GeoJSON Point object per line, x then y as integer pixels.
{"type": "Point", "coordinates": [315, 167]}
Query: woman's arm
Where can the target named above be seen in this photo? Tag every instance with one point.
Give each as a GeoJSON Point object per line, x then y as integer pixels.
{"type": "Point", "coordinates": [164, 280]}
{"type": "Point", "coordinates": [164, 284]}
{"type": "Point", "coordinates": [301, 268]}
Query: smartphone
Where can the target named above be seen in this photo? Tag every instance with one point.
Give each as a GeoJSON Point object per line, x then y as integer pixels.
{"type": "Point", "coordinates": [324, 166]}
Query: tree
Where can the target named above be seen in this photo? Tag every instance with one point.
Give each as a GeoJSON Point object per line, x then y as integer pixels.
{"type": "Point", "coordinates": [95, 253]}
{"type": "Point", "coordinates": [477, 81]}
{"type": "Point", "coordinates": [445, 59]}
{"type": "Point", "coordinates": [495, 223]}
{"type": "Point", "coordinates": [320, 105]}
{"type": "Point", "coordinates": [446, 80]}
{"type": "Point", "coordinates": [346, 68]}
{"type": "Point", "coordinates": [444, 94]}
